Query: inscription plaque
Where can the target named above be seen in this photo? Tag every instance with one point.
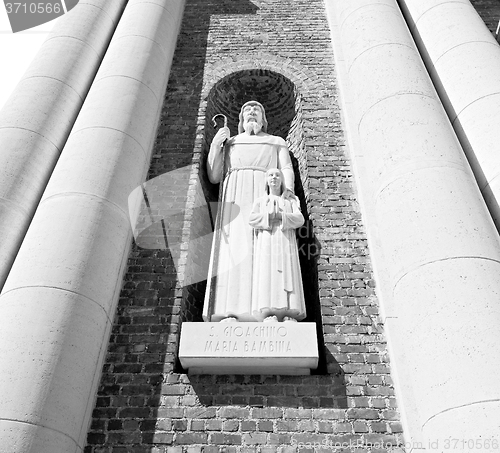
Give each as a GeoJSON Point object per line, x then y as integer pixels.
{"type": "Point", "coordinates": [248, 348]}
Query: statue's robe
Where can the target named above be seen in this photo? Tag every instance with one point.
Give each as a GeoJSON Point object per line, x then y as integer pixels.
{"type": "Point", "coordinates": [277, 283]}
{"type": "Point", "coordinates": [242, 175]}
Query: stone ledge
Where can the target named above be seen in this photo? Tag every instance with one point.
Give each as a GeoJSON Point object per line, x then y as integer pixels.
{"type": "Point", "coordinates": [248, 348]}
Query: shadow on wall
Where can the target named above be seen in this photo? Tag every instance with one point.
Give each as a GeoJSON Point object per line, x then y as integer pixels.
{"type": "Point", "coordinates": [300, 392]}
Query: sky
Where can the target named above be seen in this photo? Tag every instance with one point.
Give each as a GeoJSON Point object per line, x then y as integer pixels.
{"type": "Point", "coordinates": [17, 50]}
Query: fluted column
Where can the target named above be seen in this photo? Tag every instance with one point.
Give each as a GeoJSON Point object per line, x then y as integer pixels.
{"type": "Point", "coordinates": [463, 59]}
{"type": "Point", "coordinates": [58, 304]}
{"type": "Point", "coordinates": [38, 117]}
{"type": "Point", "coordinates": [432, 240]}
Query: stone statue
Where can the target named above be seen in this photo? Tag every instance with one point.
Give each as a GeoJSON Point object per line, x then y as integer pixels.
{"type": "Point", "coordinates": [240, 163]}
{"type": "Point", "coordinates": [277, 292]}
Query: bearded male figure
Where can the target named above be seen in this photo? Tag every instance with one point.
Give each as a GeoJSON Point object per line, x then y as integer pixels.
{"type": "Point", "coordinates": [240, 163]}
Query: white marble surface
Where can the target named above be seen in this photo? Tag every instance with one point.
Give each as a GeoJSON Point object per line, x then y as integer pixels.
{"type": "Point", "coordinates": [248, 347]}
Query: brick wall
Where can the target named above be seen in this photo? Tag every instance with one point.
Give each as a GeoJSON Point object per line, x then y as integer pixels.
{"type": "Point", "coordinates": [279, 52]}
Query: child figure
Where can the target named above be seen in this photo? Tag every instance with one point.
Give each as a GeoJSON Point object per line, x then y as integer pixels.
{"type": "Point", "coordinates": [277, 293]}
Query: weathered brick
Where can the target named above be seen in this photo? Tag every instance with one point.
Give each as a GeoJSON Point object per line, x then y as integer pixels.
{"type": "Point", "coordinates": [197, 425]}
{"type": "Point", "coordinates": [329, 414]}
{"type": "Point", "coordinates": [234, 412]}
{"type": "Point", "coordinates": [225, 439]}
{"type": "Point", "coordinates": [378, 403]}
{"type": "Point", "coordinates": [325, 427]}
{"type": "Point", "coordinates": [379, 427]}
{"type": "Point", "coordinates": [269, 449]}
{"type": "Point", "coordinates": [267, 412]}
{"type": "Point", "coordinates": [310, 438]}
{"type": "Point", "coordinates": [96, 438]}
{"type": "Point", "coordinates": [173, 450]}
{"type": "Point", "coordinates": [170, 412]}
{"type": "Point", "coordinates": [298, 413]}
{"type": "Point", "coordinates": [200, 412]}
{"type": "Point", "coordinates": [361, 427]}
{"type": "Point", "coordinates": [255, 438]}
{"type": "Point", "coordinates": [173, 389]}
{"type": "Point", "coordinates": [191, 438]}
{"type": "Point", "coordinates": [386, 440]}
{"type": "Point", "coordinates": [248, 425]}
{"type": "Point", "coordinates": [395, 427]}
{"type": "Point", "coordinates": [117, 425]}
{"type": "Point", "coordinates": [194, 450]}
{"type": "Point", "coordinates": [214, 425]}
{"type": "Point", "coordinates": [210, 449]}
{"type": "Point", "coordinates": [370, 414]}
{"type": "Point", "coordinates": [379, 391]}
{"type": "Point", "coordinates": [231, 425]}
{"type": "Point", "coordinates": [135, 412]}
{"type": "Point", "coordinates": [162, 424]}
{"type": "Point", "coordinates": [266, 425]}
{"type": "Point", "coordinates": [307, 426]}
{"type": "Point", "coordinates": [179, 425]}
{"type": "Point", "coordinates": [161, 438]}
{"type": "Point", "coordinates": [287, 425]}
{"type": "Point", "coordinates": [124, 438]}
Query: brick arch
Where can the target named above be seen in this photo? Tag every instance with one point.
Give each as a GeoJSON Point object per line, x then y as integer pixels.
{"type": "Point", "coordinates": [305, 80]}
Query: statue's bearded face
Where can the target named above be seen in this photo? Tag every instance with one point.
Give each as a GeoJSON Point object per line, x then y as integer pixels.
{"type": "Point", "coordinates": [252, 119]}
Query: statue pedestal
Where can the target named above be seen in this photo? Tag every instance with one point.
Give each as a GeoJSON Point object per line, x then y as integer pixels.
{"type": "Point", "coordinates": [248, 347]}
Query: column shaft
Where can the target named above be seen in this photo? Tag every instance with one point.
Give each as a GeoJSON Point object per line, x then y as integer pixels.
{"type": "Point", "coordinates": [39, 115]}
{"type": "Point", "coordinates": [435, 248]}
{"type": "Point", "coordinates": [463, 59]}
{"type": "Point", "coordinates": [58, 303]}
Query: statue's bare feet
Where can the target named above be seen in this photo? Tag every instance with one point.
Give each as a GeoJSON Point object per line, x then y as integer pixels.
{"type": "Point", "coordinates": [272, 318]}
{"type": "Point", "coordinates": [229, 319]}
{"type": "Point", "coordinates": [288, 318]}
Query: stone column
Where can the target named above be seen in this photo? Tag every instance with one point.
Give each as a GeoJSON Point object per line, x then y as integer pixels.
{"type": "Point", "coordinates": [463, 59]}
{"type": "Point", "coordinates": [434, 246]}
{"type": "Point", "coordinates": [39, 115]}
{"type": "Point", "coordinates": [58, 303]}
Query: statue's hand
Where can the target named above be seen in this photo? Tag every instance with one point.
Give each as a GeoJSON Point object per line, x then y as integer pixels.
{"type": "Point", "coordinates": [221, 136]}
{"type": "Point", "coordinates": [274, 211]}
{"type": "Point", "coordinates": [288, 195]}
